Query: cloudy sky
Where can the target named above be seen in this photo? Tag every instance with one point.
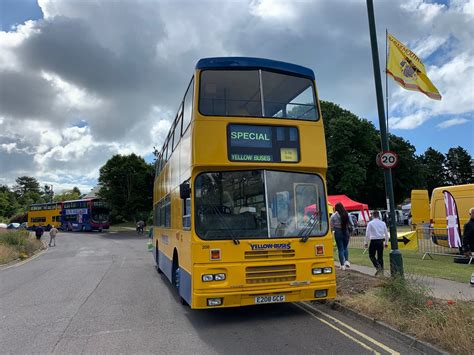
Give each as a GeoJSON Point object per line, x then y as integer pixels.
{"type": "Point", "coordinates": [81, 80]}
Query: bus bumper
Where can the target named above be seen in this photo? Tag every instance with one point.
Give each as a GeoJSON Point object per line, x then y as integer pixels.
{"type": "Point", "coordinates": [234, 299]}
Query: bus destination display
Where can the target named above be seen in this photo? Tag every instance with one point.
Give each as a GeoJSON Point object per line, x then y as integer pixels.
{"type": "Point", "coordinates": [275, 144]}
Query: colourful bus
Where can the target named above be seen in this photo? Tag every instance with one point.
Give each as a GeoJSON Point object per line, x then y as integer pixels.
{"type": "Point", "coordinates": [44, 214]}
{"type": "Point", "coordinates": [244, 158]}
{"type": "Point", "coordinates": [85, 215]}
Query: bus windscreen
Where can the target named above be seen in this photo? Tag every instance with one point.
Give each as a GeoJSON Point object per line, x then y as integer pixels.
{"type": "Point", "coordinates": [259, 204]}
{"type": "Point", "coordinates": [257, 93]}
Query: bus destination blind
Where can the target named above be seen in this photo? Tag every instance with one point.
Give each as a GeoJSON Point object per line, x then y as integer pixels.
{"type": "Point", "coordinates": [274, 144]}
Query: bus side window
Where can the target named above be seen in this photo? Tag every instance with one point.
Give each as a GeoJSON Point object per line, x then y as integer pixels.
{"type": "Point", "coordinates": [177, 131]}
{"type": "Point", "coordinates": [188, 106]}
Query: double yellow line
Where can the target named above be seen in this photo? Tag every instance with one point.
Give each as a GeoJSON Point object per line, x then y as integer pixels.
{"type": "Point", "coordinates": [318, 314]}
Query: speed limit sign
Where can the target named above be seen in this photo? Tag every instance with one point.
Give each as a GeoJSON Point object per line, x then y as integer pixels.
{"type": "Point", "coordinates": [387, 159]}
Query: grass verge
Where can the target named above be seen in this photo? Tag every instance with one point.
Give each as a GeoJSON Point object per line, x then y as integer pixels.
{"type": "Point", "coordinates": [120, 227]}
{"type": "Point", "coordinates": [441, 266]}
{"type": "Point", "coordinates": [16, 244]}
{"type": "Point", "coordinates": [409, 307]}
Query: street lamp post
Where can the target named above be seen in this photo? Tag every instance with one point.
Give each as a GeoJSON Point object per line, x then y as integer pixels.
{"type": "Point", "coordinates": [396, 261]}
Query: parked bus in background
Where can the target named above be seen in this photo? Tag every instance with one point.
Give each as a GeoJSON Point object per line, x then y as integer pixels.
{"type": "Point", "coordinates": [44, 215]}
{"type": "Point", "coordinates": [85, 215]}
{"type": "Point", "coordinates": [244, 158]}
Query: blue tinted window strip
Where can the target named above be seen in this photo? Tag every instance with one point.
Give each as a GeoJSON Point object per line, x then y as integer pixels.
{"type": "Point", "coordinates": [253, 63]}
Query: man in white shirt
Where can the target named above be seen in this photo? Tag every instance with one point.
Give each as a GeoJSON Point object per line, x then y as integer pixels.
{"type": "Point", "coordinates": [377, 234]}
{"type": "Point", "coordinates": [52, 236]}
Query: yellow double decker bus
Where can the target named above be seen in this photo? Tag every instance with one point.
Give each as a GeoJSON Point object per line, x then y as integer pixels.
{"type": "Point", "coordinates": [244, 159]}
{"type": "Point", "coordinates": [44, 214]}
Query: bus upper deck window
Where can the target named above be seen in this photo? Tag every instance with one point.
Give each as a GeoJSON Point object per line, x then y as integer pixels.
{"type": "Point", "coordinates": [230, 93]}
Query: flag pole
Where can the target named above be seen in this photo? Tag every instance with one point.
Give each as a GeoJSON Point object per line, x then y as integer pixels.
{"type": "Point", "coordinates": [386, 84]}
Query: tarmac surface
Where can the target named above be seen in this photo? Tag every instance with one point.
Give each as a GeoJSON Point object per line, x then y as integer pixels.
{"type": "Point", "coordinates": [100, 292]}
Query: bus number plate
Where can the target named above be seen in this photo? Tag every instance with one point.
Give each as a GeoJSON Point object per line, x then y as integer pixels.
{"type": "Point", "coordinates": [269, 299]}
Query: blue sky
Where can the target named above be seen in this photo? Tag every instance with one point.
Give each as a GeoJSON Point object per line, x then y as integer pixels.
{"type": "Point", "coordinates": [84, 80]}
{"type": "Point", "coordinates": [15, 12]}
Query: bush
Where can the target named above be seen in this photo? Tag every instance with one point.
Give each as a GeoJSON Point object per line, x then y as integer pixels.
{"type": "Point", "coordinates": [408, 294]}
{"type": "Point", "coordinates": [17, 244]}
{"type": "Point", "coordinates": [14, 238]}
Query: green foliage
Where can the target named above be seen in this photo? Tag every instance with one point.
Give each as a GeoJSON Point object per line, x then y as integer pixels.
{"type": "Point", "coordinates": [410, 296]}
{"type": "Point", "coordinates": [408, 174]}
{"type": "Point", "coordinates": [14, 238]}
{"type": "Point", "coordinates": [8, 203]}
{"type": "Point", "coordinates": [14, 244]}
{"type": "Point", "coordinates": [352, 145]}
{"type": "Point", "coordinates": [68, 195]}
{"type": "Point", "coordinates": [433, 169]}
{"type": "Point", "coordinates": [127, 185]}
{"type": "Point", "coordinates": [25, 184]}
{"type": "Point", "coordinates": [458, 166]}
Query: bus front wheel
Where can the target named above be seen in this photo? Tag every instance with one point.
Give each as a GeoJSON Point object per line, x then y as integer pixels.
{"type": "Point", "coordinates": [175, 278]}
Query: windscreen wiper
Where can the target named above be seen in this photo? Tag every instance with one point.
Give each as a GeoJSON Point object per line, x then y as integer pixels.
{"type": "Point", "coordinates": [308, 228]}
{"type": "Point", "coordinates": [224, 223]}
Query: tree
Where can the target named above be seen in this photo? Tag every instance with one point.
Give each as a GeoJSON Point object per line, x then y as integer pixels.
{"type": "Point", "coordinates": [458, 166]}
{"type": "Point", "coordinates": [433, 169]}
{"type": "Point", "coordinates": [127, 185]}
{"type": "Point", "coordinates": [408, 174]}
{"type": "Point", "coordinates": [74, 194]}
{"type": "Point", "coordinates": [25, 184]}
{"type": "Point", "coordinates": [352, 144]}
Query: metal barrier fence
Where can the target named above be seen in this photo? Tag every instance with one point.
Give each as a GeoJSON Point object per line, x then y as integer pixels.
{"type": "Point", "coordinates": [434, 241]}
{"type": "Point", "coordinates": [430, 241]}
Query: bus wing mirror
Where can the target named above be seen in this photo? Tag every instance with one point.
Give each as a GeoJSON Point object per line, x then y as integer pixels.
{"type": "Point", "coordinates": [184, 190]}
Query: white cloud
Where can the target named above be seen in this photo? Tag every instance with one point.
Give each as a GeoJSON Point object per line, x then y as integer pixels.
{"type": "Point", "coordinates": [408, 121]}
{"type": "Point", "coordinates": [452, 122]}
{"type": "Point", "coordinates": [123, 67]}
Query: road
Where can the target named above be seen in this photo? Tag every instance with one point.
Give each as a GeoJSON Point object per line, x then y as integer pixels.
{"type": "Point", "coordinates": [100, 292]}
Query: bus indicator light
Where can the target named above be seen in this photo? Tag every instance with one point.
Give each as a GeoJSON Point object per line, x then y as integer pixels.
{"type": "Point", "coordinates": [319, 249]}
{"type": "Point", "coordinates": [215, 254]}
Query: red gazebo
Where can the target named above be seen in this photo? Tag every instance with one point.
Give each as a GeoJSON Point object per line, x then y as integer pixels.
{"type": "Point", "coordinates": [350, 205]}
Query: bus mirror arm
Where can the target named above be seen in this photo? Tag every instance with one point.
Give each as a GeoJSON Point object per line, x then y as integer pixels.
{"type": "Point", "coordinates": [184, 190]}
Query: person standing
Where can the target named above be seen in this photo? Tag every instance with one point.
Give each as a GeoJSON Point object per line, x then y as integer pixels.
{"type": "Point", "coordinates": [340, 222]}
{"type": "Point", "coordinates": [468, 234]}
{"type": "Point", "coordinates": [52, 236]}
{"type": "Point", "coordinates": [377, 234]}
{"type": "Point", "coordinates": [39, 232]}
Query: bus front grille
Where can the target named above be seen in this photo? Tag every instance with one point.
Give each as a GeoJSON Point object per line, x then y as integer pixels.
{"type": "Point", "coordinates": [269, 254]}
{"type": "Point", "coordinates": [268, 274]}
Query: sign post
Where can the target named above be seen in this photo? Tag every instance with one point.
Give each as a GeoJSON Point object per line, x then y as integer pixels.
{"type": "Point", "coordinates": [396, 261]}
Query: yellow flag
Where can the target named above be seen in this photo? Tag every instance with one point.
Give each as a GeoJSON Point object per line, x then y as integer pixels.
{"type": "Point", "coordinates": [408, 70]}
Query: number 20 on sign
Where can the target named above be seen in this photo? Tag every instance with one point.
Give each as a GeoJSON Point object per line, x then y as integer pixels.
{"type": "Point", "coordinates": [387, 159]}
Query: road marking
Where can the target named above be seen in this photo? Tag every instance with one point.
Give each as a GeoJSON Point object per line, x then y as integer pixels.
{"type": "Point", "coordinates": [365, 346]}
{"type": "Point", "coordinates": [366, 337]}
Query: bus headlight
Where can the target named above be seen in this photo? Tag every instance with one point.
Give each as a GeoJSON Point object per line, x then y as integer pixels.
{"type": "Point", "coordinates": [320, 293]}
{"type": "Point", "coordinates": [327, 270]}
{"type": "Point", "coordinates": [219, 277]}
{"type": "Point", "coordinates": [207, 277]}
{"type": "Point", "coordinates": [214, 302]}
{"type": "Point", "coordinates": [317, 271]}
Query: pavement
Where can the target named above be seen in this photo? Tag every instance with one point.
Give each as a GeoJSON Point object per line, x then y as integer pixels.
{"type": "Point", "coordinates": [440, 288]}
{"type": "Point", "coordinates": [100, 293]}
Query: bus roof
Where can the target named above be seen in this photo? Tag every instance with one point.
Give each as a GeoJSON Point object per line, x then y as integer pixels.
{"type": "Point", "coordinates": [46, 203]}
{"type": "Point", "coordinates": [83, 200]}
{"type": "Point", "coordinates": [253, 63]}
